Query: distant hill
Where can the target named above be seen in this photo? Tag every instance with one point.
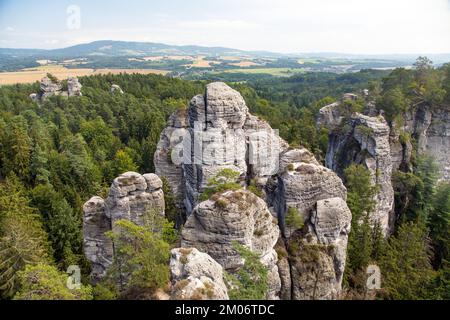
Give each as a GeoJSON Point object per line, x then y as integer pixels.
{"type": "Point", "coordinates": [110, 48]}
{"type": "Point", "coordinates": [199, 62]}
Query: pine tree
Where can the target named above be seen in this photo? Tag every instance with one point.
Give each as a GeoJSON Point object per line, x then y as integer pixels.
{"type": "Point", "coordinates": [22, 236]}
{"type": "Point", "coordinates": [45, 282]}
{"type": "Point", "coordinates": [405, 267]}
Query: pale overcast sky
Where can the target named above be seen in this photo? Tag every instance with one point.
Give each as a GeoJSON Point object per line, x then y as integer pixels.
{"type": "Point", "coordinates": [347, 26]}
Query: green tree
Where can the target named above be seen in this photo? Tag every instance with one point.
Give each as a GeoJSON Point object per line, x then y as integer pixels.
{"type": "Point", "coordinates": [122, 163]}
{"type": "Point", "coordinates": [171, 211]}
{"type": "Point", "coordinates": [45, 282]}
{"type": "Point", "coordinates": [405, 267]}
{"type": "Point", "coordinates": [293, 220]}
{"type": "Point", "coordinates": [140, 260]}
{"type": "Point", "coordinates": [393, 102]}
{"type": "Point", "coordinates": [22, 236]}
{"type": "Point", "coordinates": [361, 202]}
{"type": "Point", "coordinates": [426, 171]}
{"type": "Point", "coordinates": [16, 148]}
{"type": "Point", "coordinates": [226, 179]}
{"type": "Point", "coordinates": [251, 281]}
{"type": "Point", "coordinates": [439, 224]}
{"type": "Point", "coordinates": [61, 222]}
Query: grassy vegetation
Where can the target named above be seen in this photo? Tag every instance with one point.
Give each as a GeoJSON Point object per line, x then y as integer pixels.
{"type": "Point", "coordinates": [278, 72]}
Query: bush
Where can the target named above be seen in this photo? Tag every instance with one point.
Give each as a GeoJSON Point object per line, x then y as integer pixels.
{"type": "Point", "coordinates": [251, 281]}
{"type": "Point", "coordinates": [294, 220]}
{"type": "Point", "coordinates": [222, 181]}
{"type": "Point", "coordinates": [45, 282]}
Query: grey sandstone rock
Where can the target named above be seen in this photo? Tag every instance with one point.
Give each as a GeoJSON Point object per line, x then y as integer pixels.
{"type": "Point", "coordinates": [115, 89]}
{"type": "Point", "coordinates": [74, 87]}
{"type": "Point", "coordinates": [131, 195]}
{"type": "Point", "coordinates": [234, 216]}
{"type": "Point", "coordinates": [98, 248]}
{"type": "Point", "coordinates": [195, 275]}
{"type": "Point", "coordinates": [366, 140]}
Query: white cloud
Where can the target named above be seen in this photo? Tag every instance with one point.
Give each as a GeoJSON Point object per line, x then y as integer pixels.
{"type": "Point", "coordinates": [223, 24]}
{"type": "Point", "coordinates": [9, 29]}
{"type": "Point", "coordinates": [352, 26]}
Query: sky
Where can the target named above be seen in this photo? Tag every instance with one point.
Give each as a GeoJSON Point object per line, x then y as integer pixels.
{"type": "Point", "coordinates": [286, 26]}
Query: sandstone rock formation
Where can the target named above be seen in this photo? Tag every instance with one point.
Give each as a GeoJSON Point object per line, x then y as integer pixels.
{"type": "Point", "coordinates": [74, 87]}
{"type": "Point", "coordinates": [49, 88]}
{"type": "Point", "coordinates": [131, 195]}
{"type": "Point", "coordinates": [168, 156]}
{"type": "Point", "coordinates": [115, 89]}
{"type": "Point", "coordinates": [318, 251]}
{"type": "Point", "coordinates": [234, 216]}
{"type": "Point", "coordinates": [430, 127]}
{"type": "Point", "coordinates": [314, 260]}
{"type": "Point", "coordinates": [217, 132]}
{"type": "Point", "coordinates": [196, 276]}
{"type": "Point", "coordinates": [302, 183]}
{"type": "Point", "coordinates": [98, 248]}
{"type": "Point", "coordinates": [363, 140]}
{"type": "Point", "coordinates": [214, 133]}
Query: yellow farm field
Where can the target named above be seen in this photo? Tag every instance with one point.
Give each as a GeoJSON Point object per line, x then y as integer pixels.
{"type": "Point", "coordinates": [31, 75]}
{"type": "Point", "coordinates": [244, 64]}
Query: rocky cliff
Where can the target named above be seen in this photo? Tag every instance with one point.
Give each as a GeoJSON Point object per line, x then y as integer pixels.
{"type": "Point", "coordinates": [216, 132]}
{"type": "Point", "coordinates": [235, 216]}
{"type": "Point", "coordinates": [364, 140]}
{"type": "Point", "coordinates": [382, 148]}
{"type": "Point", "coordinates": [130, 196]}
{"type": "Point", "coordinates": [430, 128]}
{"type": "Point", "coordinates": [49, 88]}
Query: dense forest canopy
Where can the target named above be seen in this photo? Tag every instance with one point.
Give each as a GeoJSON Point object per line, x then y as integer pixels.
{"type": "Point", "coordinates": [55, 155]}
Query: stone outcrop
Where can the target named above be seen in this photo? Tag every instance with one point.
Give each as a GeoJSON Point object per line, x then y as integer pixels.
{"type": "Point", "coordinates": [314, 260]}
{"type": "Point", "coordinates": [430, 127]}
{"type": "Point", "coordinates": [115, 89]}
{"type": "Point", "coordinates": [131, 195]}
{"type": "Point", "coordinates": [49, 88]}
{"type": "Point", "coordinates": [196, 276]}
{"type": "Point", "coordinates": [168, 157]}
{"type": "Point", "coordinates": [301, 183]}
{"type": "Point", "coordinates": [318, 251]}
{"type": "Point", "coordinates": [234, 216]}
{"type": "Point", "coordinates": [98, 248]}
{"type": "Point", "coordinates": [363, 140]}
{"type": "Point", "coordinates": [369, 140]}
{"type": "Point", "coordinates": [74, 87]}
{"type": "Point", "coordinates": [217, 133]}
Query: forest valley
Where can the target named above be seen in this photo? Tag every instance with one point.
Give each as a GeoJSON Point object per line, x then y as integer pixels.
{"type": "Point", "coordinates": [56, 154]}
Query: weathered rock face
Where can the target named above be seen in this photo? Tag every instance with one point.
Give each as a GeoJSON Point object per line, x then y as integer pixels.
{"type": "Point", "coordinates": [74, 87]}
{"type": "Point", "coordinates": [435, 141]}
{"type": "Point", "coordinates": [364, 140]}
{"type": "Point", "coordinates": [115, 89]}
{"type": "Point", "coordinates": [49, 88]}
{"type": "Point", "coordinates": [303, 183]}
{"type": "Point", "coordinates": [234, 216]}
{"type": "Point", "coordinates": [316, 254]}
{"type": "Point", "coordinates": [318, 251]}
{"type": "Point", "coordinates": [196, 276]}
{"type": "Point", "coordinates": [131, 195]}
{"type": "Point", "coordinates": [217, 132]}
{"type": "Point", "coordinates": [169, 154]}
{"type": "Point", "coordinates": [98, 248]}
{"type": "Point", "coordinates": [430, 126]}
